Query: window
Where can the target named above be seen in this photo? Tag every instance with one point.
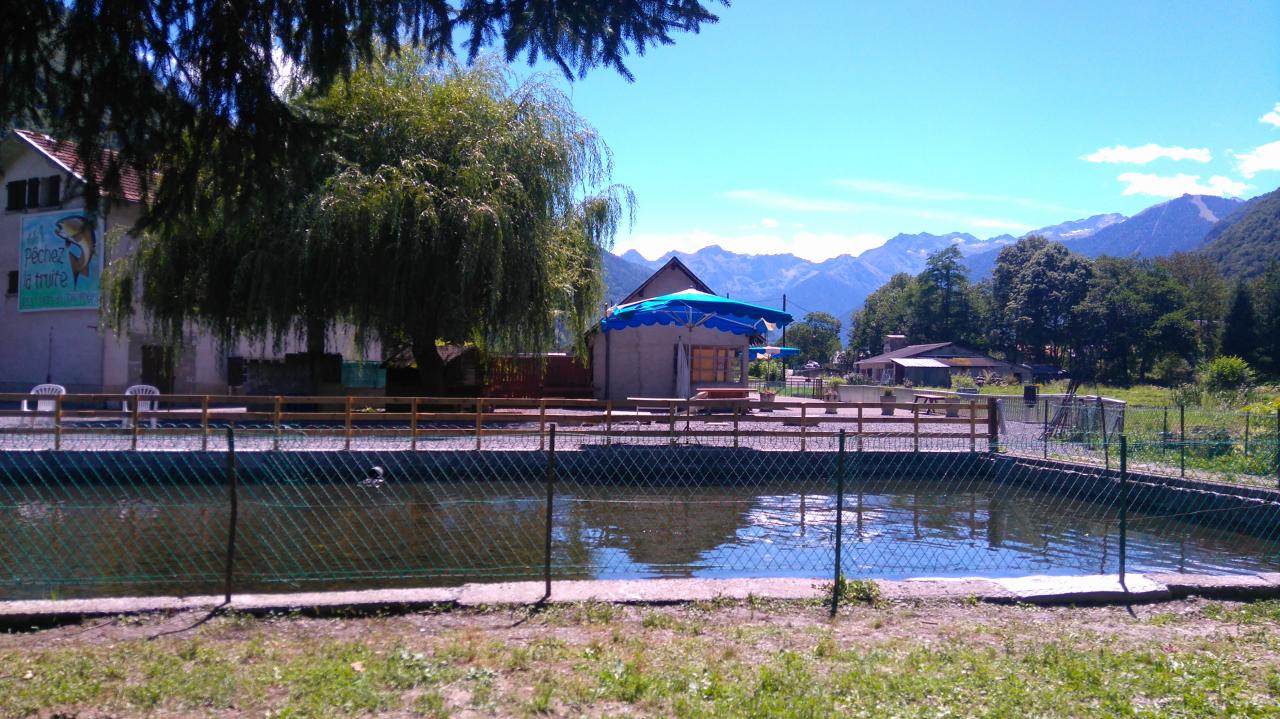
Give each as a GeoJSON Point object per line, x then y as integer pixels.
{"type": "Point", "coordinates": [13, 283]}
{"type": "Point", "coordinates": [716, 365]}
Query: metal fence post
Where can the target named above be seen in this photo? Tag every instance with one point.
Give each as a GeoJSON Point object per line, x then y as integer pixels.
{"type": "Point", "coordinates": [1246, 433]}
{"type": "Point", "coordinates": [1102, 422]}
{"type": "Point", "coordinates": [551, 480]}
{"type": "Point", "coordinates": [1182, 440]}
{"type": "Point", "coordinates": [1278, 447]}
{"type": "Point", "coordinates": [235, 507]}
{"type": "Point", "coordinates": [1124, 502]}
{"type": "Point", "coordinates": [1045, 429]}
{"type": "Point", "coordinates": [835, 576]}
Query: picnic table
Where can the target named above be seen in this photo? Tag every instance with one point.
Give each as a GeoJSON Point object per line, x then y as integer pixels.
{"type": "Point", "coordinates": [927, 398]}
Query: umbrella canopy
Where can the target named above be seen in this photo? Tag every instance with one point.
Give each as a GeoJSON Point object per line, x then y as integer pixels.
{"type": "Point", "coordinates": [771, 351]}
{"type": "Point", "coordinates": [691, 308]}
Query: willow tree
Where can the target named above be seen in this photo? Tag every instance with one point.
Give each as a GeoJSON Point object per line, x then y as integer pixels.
{"type": "Point", "coordinates": [448, 206]}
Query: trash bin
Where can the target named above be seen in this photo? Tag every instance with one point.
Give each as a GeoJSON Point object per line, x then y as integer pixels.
{"type": "Point", "coordinates": [1029, 393]}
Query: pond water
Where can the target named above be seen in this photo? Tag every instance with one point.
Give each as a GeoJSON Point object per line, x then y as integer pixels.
{"type": "Point", "coordinates": [172, 539]}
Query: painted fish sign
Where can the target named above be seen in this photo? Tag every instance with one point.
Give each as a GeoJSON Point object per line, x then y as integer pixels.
{"type": "Point", "coordinates": [60, 262]}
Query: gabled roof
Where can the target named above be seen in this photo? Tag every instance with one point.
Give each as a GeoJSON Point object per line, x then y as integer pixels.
{"type": "Point", "coordinates": [908, 351]}
{"type": "Point", "coordinates": [65, 154]}
{"type": "Point", "coordinates": [674, 262]}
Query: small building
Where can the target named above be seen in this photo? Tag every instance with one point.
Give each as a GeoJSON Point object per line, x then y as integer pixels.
{"type": "Point", "coordinates": [667, 360]}
{"type": "Point", "coordinates": [933, 365]}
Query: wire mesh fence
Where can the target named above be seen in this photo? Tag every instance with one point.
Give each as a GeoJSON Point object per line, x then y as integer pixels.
{"type": "Point", "coordinates": [684, 505]}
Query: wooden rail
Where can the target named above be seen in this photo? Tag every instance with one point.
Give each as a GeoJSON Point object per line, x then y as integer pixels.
{"type": "Point", "coordinates": [477, 417]}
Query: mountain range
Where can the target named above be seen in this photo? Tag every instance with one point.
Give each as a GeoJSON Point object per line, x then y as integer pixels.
{"type": "Point", "coordinates": [839, 285]}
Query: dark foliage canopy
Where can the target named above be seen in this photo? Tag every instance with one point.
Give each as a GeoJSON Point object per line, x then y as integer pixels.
{"type": "Point", "coordinates": [192, 87]}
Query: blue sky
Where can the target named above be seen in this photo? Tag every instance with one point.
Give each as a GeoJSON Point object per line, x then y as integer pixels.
{"type": "Point", "coordinates": [822, 128]}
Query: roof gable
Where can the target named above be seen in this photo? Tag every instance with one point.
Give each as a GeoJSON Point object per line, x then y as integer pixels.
{"type": "Point", "coordinates": [673, 265]}
{"type": "Point", "coordinates": [65, 155]}
{"type": "Point", "coordinates": [908, 351]}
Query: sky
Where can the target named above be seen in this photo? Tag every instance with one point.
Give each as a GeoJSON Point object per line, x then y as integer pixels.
{"type": "Point", "coordinates": [823, 127]}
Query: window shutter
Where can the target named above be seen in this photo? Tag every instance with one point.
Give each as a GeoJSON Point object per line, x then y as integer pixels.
{"type": "Point", "coordinates": [17, 195]}
{"type": "Point", "coordinates": [53, 190]}
{"type": "Point", "coordinates": [33, 192]}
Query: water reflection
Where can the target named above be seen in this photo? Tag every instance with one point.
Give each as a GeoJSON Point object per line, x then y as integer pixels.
{"type": "Point", "coordinates": [148, 539]}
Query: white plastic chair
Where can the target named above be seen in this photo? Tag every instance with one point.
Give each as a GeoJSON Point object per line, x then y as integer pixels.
{"type": "Point", "coordinates": [141, 390]}
{"type": "Point", "coordinates": [43, 405]}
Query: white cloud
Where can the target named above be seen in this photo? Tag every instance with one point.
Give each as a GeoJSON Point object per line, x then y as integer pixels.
{"type": "Point", "coordinates": [769, 222]}
{"type": "Point", "coordinates": [1273, 117]}
{"type": "Point", "coordinates": [812, 246]}
{"type": "Point", "coordinates": [1121, 154]}
{"type": "Point", "coordinates": [783, 201]}
{"type": "Point", "coordinates": [1138, 183]}
{"type": "Point", "coordinates": [1259, 159]}
{"type": "Point", "coordinates": [919, 192]}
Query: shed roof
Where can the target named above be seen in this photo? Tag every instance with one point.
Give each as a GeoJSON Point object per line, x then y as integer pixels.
{"type": "Point", "coordinates": [918, 362]}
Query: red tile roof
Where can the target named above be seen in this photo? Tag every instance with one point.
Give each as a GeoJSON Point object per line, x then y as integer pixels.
{"type": "Point", "coordinates": [66, 154]}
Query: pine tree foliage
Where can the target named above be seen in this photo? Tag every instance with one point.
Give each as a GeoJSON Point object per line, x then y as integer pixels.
{"type": "Point", "coordinates": [191, 90]}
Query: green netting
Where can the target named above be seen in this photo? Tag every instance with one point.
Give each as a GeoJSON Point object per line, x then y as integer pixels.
{"type": "Point", "coordinates": [318, 510]}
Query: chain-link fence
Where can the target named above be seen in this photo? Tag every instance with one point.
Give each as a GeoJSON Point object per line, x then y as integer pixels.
{"type": "Point", "coordinates": [587, 505]}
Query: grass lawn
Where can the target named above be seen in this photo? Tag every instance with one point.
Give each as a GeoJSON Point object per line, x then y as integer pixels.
{"type": "Point", "coordinates": [1188, 658]}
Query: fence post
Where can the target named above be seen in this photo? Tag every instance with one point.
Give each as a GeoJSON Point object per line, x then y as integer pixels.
{"type": "Point", "coordinates": [235, 507]}
{"type": "Point", "coordinates": [1246, 433]}
{"type": "Point", "coordinates": [671, 422]}
{"type": "Point", "coordinates": [1277, 447]}
{"type": "Point", "coordinates": [1102, 422]}
{"type": "Point", "coordinates": [1182, 440]}
{"type": "Point", "coordinates": [551, 479]}
{"type": "Point", "coordinates": [608, 422]}
{"type": "Point", "coordinates": [973, 426]}
{"type": "Point", "coordinates": [915, 426]}
{"type": "Point", "coordinates": [1124, 502]}
{"type": "Point", "coordinates": [859, 426]}
{"type": "Point", "coordinates": [735, 425]}
{"type": "Point", "coordinates": [479, 419]}
{"type": "Point", "coordinates": [803, 422]}
{"type": "Point", "coordinates": [413, 424]}
{"type": "Point", "coordinates": [275, 441]}
{"type": "Point", "coordinates": [835, 576]}
{"type": "Point", "coordinates": [346, 421]}
{"type": "Point", "coordinates": [133, 441]}
{"type": "Point", "coordinates": [993, 424]}
{"type": "Point", "coordinates": [204, 423]}
{"type": "Point", "coordinates": [1045, 429]}
{"type": "Point", "coordinates": [542, 424]}
{"type": "Point", "coordinates": [57, 422]}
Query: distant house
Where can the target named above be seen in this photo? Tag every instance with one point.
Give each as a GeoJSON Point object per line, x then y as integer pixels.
{"type": "Point", "coordinates": [664, 360]}
{"type": "Point", "coordinates": [933, 365]}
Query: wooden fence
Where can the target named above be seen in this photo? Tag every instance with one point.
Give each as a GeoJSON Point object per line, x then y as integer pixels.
{"type": "Point", "coordinates": [421, 417]}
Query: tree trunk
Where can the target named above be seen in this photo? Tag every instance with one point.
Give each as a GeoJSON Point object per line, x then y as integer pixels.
{"type": "Point", "coordinates": [430, 366]}
{"type": "Point", "coordinates": [316, 331]}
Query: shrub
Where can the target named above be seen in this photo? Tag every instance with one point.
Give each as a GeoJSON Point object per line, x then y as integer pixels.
{"type": "Point", "coordinates": [1186, 395]}
{"type": "Point", "coordinates": [963, 380]}
{"type": "Point", "coordinates": [769, 370]}
{"type": "Point", "coordinates": [1227, 375]}
{"type": "Point", "coordinates": [1172, 370]}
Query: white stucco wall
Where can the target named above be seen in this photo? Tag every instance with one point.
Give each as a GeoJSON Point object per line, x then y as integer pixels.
{"type": "Point", "coordinates": [640, 361]}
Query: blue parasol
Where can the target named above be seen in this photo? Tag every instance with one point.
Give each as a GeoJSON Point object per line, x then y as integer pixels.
{"type": "Point", "coordinates": [770, 351]}
{"type": "Point", "coordinates": [691, 308]}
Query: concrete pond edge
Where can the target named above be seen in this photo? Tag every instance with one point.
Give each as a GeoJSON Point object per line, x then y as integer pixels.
{"type": "Point", "coordinates": [1035, 589]}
